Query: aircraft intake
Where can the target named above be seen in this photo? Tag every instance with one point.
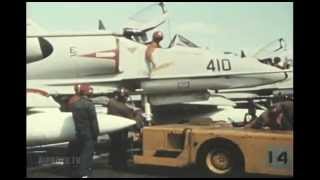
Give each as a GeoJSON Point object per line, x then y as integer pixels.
{"type": "Point", "coordinates": [38, 49]}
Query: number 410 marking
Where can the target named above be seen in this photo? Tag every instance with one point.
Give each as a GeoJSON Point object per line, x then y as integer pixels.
{"type": "Point", "coordinates": [219, 64]}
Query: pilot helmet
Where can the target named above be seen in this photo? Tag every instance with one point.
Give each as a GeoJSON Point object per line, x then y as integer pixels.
{"type": "Point", "coordinates": [277, 60]}
{"type": "Point", "coordinates": [157, 36]}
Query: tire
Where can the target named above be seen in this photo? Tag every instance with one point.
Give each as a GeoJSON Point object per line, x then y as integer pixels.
{"type": "Point", "coordinates": [220, 160]}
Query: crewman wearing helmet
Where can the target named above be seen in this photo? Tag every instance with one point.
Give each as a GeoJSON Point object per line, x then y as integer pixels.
{"type": "Point", "coordinates": [86, 126]}
{"type": "Point", "coordinates": [278, 117]}
{"type": "Point", "coordinates": [119, 106]}
{"type": "Point", "coordinates": [155, 43]}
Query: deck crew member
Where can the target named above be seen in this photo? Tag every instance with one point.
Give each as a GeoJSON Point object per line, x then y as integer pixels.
{"type": "Point", "coordinates": [278, 117]}
{"type": "Point", "coordinates": [86, 126]}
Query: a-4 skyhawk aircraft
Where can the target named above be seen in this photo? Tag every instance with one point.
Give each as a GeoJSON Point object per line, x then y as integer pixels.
{"type": "Point", "coordinates": [55, 62]}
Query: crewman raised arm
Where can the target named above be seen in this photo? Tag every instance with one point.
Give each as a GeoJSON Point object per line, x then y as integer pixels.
{"type": "Point", "coordinates": [155, 43]}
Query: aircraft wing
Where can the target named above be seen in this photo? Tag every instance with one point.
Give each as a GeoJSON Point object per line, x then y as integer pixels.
{"type": "Point", "coordinates": [238, 95]}
{"type": "Point", "coordinates": [36, 100]}
{"type": "Point", "coordinates": [65, 86]}
{"type": "Point", "coordinates": [154, 74]}
{"type": "Point", "coordinates": [103, 85]}
{"type": "Point", "coordinates": [215, 101]}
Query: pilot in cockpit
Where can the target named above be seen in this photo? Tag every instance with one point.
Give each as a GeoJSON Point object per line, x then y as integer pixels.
{"type": "Point", "coordinates": [155, 43]}
{"type": "Point", "coordinates": [276, 62]}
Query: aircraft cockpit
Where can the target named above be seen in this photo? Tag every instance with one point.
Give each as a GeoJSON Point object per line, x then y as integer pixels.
{"type": "Point", "coordinates": [179, 40]}
{"type": "Point", "coordinates": [275, 54]}
{"type": "Point", "coordinates": [141, 24]}
{"type": "Point", "coordinates": [144, 21]}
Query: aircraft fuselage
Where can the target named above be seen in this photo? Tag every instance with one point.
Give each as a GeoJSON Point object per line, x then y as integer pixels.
{"type": "Point", "coordinates": [57, 62]}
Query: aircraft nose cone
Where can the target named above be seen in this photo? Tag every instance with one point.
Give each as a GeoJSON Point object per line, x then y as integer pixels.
{"type": "Point", "coordinates": [50, 126]}
{"type": "Point", "coordinates": [110, 123]}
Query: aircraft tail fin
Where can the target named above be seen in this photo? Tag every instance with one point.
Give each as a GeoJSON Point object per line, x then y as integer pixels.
{"type": "Point", "coordinates": [243, 55]}
{"type": "Point", "coordinates": [101, 25]}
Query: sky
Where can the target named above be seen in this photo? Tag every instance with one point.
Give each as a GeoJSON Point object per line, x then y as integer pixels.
{"type": "Point", "coordinates": [221, 26]}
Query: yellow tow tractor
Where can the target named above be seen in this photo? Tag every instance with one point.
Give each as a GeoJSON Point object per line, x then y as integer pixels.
{"type": "Point", "coordinates": [218, 148]}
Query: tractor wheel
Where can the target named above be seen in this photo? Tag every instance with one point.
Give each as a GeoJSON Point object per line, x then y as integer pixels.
{"type": "Point", "coordinates": [220, 161]}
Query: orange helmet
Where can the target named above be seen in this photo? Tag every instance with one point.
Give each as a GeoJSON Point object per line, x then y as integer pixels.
{"type": "Point", "coordinates": [83, 89]}
{"type": "Point", "coordinates": [157, 36]}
